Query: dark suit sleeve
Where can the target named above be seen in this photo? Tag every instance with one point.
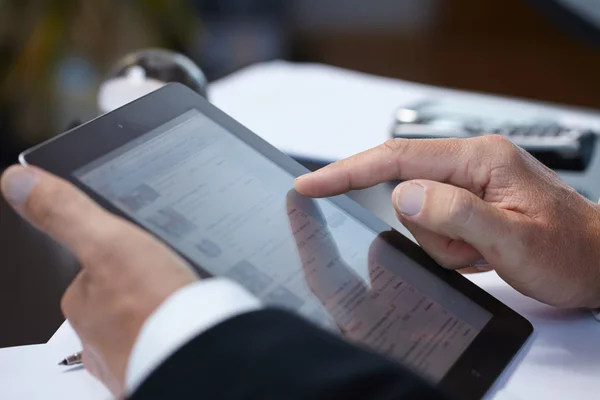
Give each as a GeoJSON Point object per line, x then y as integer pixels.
{"type": "Point", "coordinates": [273, 354]}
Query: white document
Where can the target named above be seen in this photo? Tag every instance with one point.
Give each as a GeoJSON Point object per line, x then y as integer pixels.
{"type": "Point", "coordinates": [313, 111]}
{"type": "Point", "coordinates": [31, 372]}
{"type": "Point", "coordinates": [327, 113]}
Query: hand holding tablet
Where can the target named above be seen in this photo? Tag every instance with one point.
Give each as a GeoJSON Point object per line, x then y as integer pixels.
{"type": "Point", "coordinates": [115, 256]}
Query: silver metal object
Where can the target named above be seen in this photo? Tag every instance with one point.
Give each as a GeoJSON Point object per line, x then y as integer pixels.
{"type": "Point", "coordinates": [142, 72]}
{"type": "Point", "coordinates": [73, 359]}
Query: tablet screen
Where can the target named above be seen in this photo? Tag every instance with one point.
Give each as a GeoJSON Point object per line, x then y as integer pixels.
{"type": "Point", "coordinates": [234, 213]}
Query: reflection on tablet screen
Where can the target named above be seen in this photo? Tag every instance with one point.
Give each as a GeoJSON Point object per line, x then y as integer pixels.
{"type": "Point", "coordinates": [234, 212]}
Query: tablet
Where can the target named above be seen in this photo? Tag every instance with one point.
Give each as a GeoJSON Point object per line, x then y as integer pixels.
{"type": "Point", "coordinates": [223, 198]}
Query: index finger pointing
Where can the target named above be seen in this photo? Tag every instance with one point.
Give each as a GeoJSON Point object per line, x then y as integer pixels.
{"type": "Point", "coordinates": [56, 207]}
{"type": "Point", "coordinates": [403, 159]}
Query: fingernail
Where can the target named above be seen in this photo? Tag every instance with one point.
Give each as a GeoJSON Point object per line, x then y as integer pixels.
{"type": "Point", "coordinates": [481, 264]}
{"type": "Point", "coordinates": [17, 185]}
{"type": "Point", "coordinates": [409, 199]}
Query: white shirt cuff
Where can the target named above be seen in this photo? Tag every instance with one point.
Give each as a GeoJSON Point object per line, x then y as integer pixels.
{"type": "Point", "coordinates": [184, 315]}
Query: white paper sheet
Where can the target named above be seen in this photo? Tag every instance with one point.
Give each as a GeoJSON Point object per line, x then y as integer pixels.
{"type": "Point", "coordinates": [31, 372]}
{"type": "Point", "coordinates": [327, 113]}
{"type": "Point", "coordinates": [313, 110]}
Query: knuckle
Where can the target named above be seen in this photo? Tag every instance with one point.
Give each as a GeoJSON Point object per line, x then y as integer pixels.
{"type": "Point", "coordinates": [495, 139]}
{"type": "Point", "coordinates": [460, 209]}
{"type": "Point", "coordinates": [501, 145]}
{"type": "Point", "coordinates": [396, 144]}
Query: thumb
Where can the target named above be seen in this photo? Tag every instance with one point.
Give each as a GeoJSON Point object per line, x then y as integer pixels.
{"type": "Point", "coordinates": [56, 207]}
{"type": "Point", "coordinates": [460, 215]}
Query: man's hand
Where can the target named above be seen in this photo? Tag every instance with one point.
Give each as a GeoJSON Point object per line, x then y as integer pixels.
{"type": "Point", "coordinates": [484, 202]}
{"type": "Point", "coordinates": [126, 273]}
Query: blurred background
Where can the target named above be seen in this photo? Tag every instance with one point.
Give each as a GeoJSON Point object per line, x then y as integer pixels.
{"type": "Point", "coordinates": [55, 53]}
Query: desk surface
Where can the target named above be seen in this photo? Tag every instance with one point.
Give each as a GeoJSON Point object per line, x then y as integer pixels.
{"type": "Point", "coordinates": [292, 106]}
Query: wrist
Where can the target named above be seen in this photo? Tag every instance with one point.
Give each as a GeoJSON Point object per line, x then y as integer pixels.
{"type": "Point", "coordinates": [185, 314]}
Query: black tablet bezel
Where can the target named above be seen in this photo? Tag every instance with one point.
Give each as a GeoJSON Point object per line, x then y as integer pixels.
{"type": "Point", "coordinates": [470, 376]}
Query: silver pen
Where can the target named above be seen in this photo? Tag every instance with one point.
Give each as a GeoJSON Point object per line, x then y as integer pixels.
{"type": "Point", "coordinates": [73, 359]}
